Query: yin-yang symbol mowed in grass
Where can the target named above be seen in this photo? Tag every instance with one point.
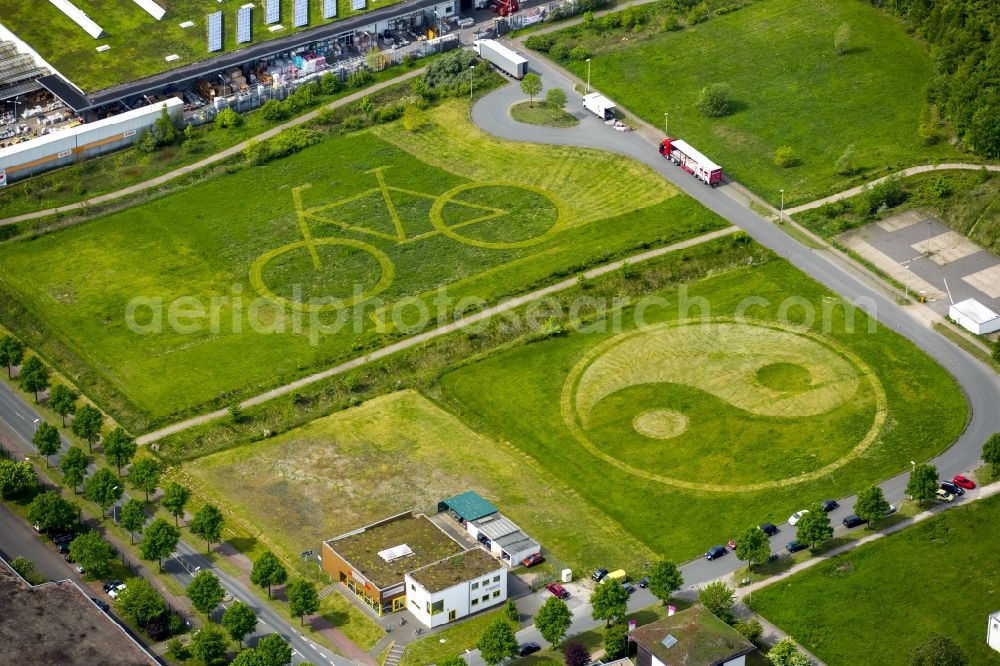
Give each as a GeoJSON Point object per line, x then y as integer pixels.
{"type": "Point", "coordinates": [723, 404]}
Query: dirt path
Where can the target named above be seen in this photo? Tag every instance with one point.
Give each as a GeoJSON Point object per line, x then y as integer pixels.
{"type": "Point", "coordinates": [434, 333]}
{"type": "Point", "coordinates": [212, 159]}
{"type": "Point", "coordinates": [846, 194]}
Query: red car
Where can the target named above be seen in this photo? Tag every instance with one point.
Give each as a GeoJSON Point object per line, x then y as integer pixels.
{"type": "Point", "coordinates": [532, 560]}
{"type": "Point", "coordinates": [557, 590]}
{"type": "Point", "coordinates": [963, 482]}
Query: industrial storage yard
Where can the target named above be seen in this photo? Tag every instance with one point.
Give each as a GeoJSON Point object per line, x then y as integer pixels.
{"type": "Point", "coordinates": [475, 332]}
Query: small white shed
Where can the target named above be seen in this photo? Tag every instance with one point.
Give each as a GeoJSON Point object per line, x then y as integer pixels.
{"type": "Point", "coordinates": [973, 316]}
{"type": "Point", "coordinates": [993, 631]}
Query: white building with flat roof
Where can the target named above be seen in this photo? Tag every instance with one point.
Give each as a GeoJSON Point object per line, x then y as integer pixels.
{"type": "Point", "coordinates": [455, 587]}
{"type": "Point", "coordinates": [973, 316]}
{"type": "Point", "coordinates": [993, 631]}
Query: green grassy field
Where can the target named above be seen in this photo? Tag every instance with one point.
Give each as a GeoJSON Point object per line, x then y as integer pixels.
{"type": "Point", "coordinates": [540, 114]}
{"type": "Point", "coordinates": [139, 44]}
{"type": "Point", "coordinates": [672, 427]}
{"type": "Point", "coordinates": [238, 237]}
{"type": "Point", "coordinates": [888, 595]}
{"type": "Point", "coordinates": [307, 485]}
{"type": "Point", "coordinates": [789, 88]}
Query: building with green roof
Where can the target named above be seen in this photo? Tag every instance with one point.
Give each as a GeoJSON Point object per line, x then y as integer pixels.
{"type": "Point", "coordinates": [692, 637]}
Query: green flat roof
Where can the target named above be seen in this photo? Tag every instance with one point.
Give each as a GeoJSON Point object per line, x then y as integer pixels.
{"type": "Point", "coordinates": [470, 505]}
{"type": "Point", "coordinates": [701, 638]}
{"type": "Point", "coordinates": [456, 569]}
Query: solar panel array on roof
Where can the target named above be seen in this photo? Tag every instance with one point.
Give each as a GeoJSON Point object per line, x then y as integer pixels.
{"type": "Point", "coordinates": [243, 24]}
{"type": "Point", "coordinates": [358, 4]}
{"type": "Point", "coordinates": [215, 31]}
{"type": "Point", "coordinates": [272, 13]}
{"type": "Point", "coordinates": [301, 14]}
{"type": "Point", "coordinates": [329, 9]}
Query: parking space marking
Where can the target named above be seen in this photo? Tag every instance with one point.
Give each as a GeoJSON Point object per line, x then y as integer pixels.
{"type": "Point", "coordinates": [947, 247]}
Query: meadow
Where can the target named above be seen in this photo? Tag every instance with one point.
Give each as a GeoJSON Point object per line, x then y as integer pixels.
{"type": "Point", "coordinates": [788, 88]}
{"type": "Point", "coordinates": [240, 236]}
{"type": "Point", "coordinates": [888, 595]}
{"type": "Point", "coordinates": [139, 44]}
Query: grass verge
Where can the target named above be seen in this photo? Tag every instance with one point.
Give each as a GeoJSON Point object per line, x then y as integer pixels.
{"type": "Point", "coordinates": [539, 113]}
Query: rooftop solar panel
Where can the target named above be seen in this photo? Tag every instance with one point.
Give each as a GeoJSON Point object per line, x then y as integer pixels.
{"type": "Point", "coordinates": [273, 12]}
{"type": "Point", "coordinates": [243, 24]}
{"type": "Point", "coordinates": [215, 31]}
{"type": "Point", "coordinates": [301, 14]}
{"type": "Point", "coordinates": [329, 9]}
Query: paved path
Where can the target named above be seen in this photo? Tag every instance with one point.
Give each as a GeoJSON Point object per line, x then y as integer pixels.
{"type": "Point", "coordinates": [420, 338]}
{"type": "Point", "coordinates": [212, 159]}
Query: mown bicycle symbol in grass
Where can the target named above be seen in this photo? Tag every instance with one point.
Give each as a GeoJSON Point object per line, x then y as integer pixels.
{"type": "Point", "coordinates": [454, 214]}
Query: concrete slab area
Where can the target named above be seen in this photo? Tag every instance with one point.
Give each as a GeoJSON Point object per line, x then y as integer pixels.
{"type": "Point", "coordinates": [946, 248]}
{"type": "Point", "coordinates": [986, 281]}
{"type": "Point", "coordinates": [894, 269]}
{"type": "Point", "coordinates": [900, 221]}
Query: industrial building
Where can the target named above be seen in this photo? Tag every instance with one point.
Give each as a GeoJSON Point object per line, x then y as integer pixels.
{"type": "Point", "coordinates": [455, 587]}
{"type": "Point", "coordinates": [505, 540]}
{"type": "Point", "coordinates": [975, 317]}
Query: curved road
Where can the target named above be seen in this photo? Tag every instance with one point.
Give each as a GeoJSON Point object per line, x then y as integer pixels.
{"type": "Point", "coordinates": [980, 384]}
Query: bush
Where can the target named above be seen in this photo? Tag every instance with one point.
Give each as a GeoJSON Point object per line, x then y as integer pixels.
{"type": "Point", "coordinates": [272, 110]}
{"type": "Point", "coordinates": [669, 23]}
{"type": "Point", "coordinates": [450, 70]}
{"type": "Point", "coordinates": [360, 78]}
{"type": "Point", "coordinates": [559, 52]}
{"type": "Point", "coordinates": [714, 100]}
{"type": "Point", "coordinates": [698, 14]}
{"type": "Point", "coordinates": [784, 157]}
{"type": "Point", "coordinates": [228, 118]}
{"type": "Point", "coordinates": [579, 53]}
{"type": "Point", "coordinates": [555, 98]}
{"type": "Point", "coordinates": [615, 641]}
{"type": "Point", "coordinates": [329, 84]}
{"type": "Point", "coordinates": [389, 113]}
{"type": "Point", "coordinates": [541, 43]}
{"type": "Point", "coordinates": [750, 630]}
{"type": "Point", "coordinates": [845, 163]}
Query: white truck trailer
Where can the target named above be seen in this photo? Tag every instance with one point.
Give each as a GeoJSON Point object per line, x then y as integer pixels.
{"type": "Point", "coordinates": [502, 57]}
{"type": "Point", "coordinates": [599, 105]}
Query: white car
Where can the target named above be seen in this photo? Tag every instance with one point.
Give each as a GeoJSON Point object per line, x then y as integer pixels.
{"type": "Point", "coordinates": [797, 516]}
{"type": "Point", "coordinates": [113, 592]}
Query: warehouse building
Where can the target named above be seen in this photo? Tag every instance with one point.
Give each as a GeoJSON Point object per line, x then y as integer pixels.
{"type": "Point", "coordinates": [455, 587]}
{"type": "Point", "coordinates": [505, 540]}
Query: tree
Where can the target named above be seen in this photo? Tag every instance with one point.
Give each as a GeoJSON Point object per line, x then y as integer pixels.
{"type": "Point", "coordinates": [103, 488]}
{"type": "Point", "coordinates": [159, 540]}
{"type": "Point", "coordinates": [842, 39]}
{"type": "Point", "coordinates": [51, 513]}
{"type": "Point", "coordinates": [46, 440]}
{"type": "Point", "coordinates": [302, 599]}
{"type": "Point", "coordinates": [785, 653]}
{"type": "Point", "coordinates": [510, 608]}
{"type": "Point", "coordinates": [555, 98]}
{"type": "Point", "coordinates": [228, 118]}
{"type": "Point", "coordinates": [140, 601]}
{"type": "Point", "coordinates": [209, 644]}
{"type": "Point", "coordinates": [34, 376]}
{"type": "Point", "coordinates": [784, 157]}
{"type": "Point", "coordinates": [175, 496]}
{"type": "Point", "coordinates": [88, 424]}
{"type": "Point", "coordinates": [552, 620]}
{"type": "Point", "coordinates": [714, 100]}
{"type": "Point", "coordinates": [272, 650]}
{"type": "Point", "coordinates": [92, 552]}
{"type": "Point", "coordinates": [268, 571]}
{"type": "Point", "coordinates": [991, 450]}
{"type": "Point", "coordinates": [205, 592]}
{"type": "Point", "coordinates": [576, 655]}
{"type": "Point", "coordinates": [451, 660]}
{"type": "Point", "coordinates": [665, 579]}
{"type": "Point", "coordinates": [248, 657]}
{"type": "Point", "coordinates": [871, 504]}
{"type": "Point", "coordinates": [145, 475]}
{"type": "Point", "coordinates": [272, 110]}
{"type": "Point", "coordinates": [750, 630]}
{"type": "Point", "coordinates": [616, 641]}
{"type": "Point", "coordinates": [16, 478]}
{"type": "Point", "coordinates": [609, 602]}
{"type": "Point", "coordinates": [239, 620]}
{"type": "Point", "coordinates": [24, 567]}
{"type": "Point", "coordinates": [923, 483]}
{"type": "Point", "coordinates": [62, 400]}
{"type": "Point", "coordinates": [207, 524]}
{"type": "Point", "coordinates": [11, 353]}
{"type": "Point", "coordinates": [718, 598]}
{"type": "Point", "coordinates": [133, 517]}
{"type": "Point", "coordinates": [996, 357]}
{"type": "Point", "coordinates": [74, 466]}
{"type": "Point", "coordinates": [497, 642]}
{"type": "Point", "coordinates": [814, 527]}
{"type": "Point", "coordinates": [531, 85]}
{"type": "Point", "coordinates": [753, 546]}
{"type": "Point", "coordinates": [366, 105]}
{"type": "Point", "coordinates": [119, 448]}
{"type": "Point", "coordinates": [938, 650]}
{"type": "Point", "coordinates": [846, 162]}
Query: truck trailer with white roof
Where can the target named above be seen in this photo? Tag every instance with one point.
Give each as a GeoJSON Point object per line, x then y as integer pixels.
{"type": "Point", "coordinates": [502, 57]}
{"type": "Point", "coordinates": [688, 158]}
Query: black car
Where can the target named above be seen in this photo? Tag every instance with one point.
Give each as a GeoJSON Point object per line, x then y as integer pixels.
{"type": "Point", "coordinates": [952, 488]}
{"type": "Point", "coordinates": [528, 648]}
{"type": "Point", "coordinates": [101, 604]}
{"type": "Point", "coordinates": [111, 585]}
{"type": "Point", "coordinates": [599, 574]}
{"type": "Point", "coordinates": [853, 521]}
{"type": "Point", "coordinates": [795, 546]}
{"type": "Point", "coordinates": [62, 548]}
{"type": "Point", "coordinates": [629, 587]}
{"type": "Point", "coordinates": [829, 505]}
{"type": "Point", "coordinates": [643, 582]}
{"type": "Point", "coordinates": [62, 538]}
{"type": "Point", "coordinates": [715, 552]}
{"type": "Point", "coordinates": [768, 528]}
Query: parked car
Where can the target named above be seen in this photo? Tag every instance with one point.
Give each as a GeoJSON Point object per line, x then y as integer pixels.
{"type": "Point", "coordinates": [952, 488]}
{"type": "Point", "coordinates": [63, 548]}
{"type": "Point", "coordinates": [525, 649]}
{"type": "Point", "coordinates": [110, 585]}
{"type": "Point", "coordinates": [80, 569]}
{"type": "Point", "coordinates": [963, 482]}
{"type": "Point", "coordinates": [797, 516]}
{"type": "Point", "coordinates": [103, 605]}
{"type": "Point", "coordinates": [532, 560]}
{"type": "Point", "coordinates": [113, 592]}
{"type": "Point", "coordinates": [643, 582]}
{"type": "Point", "coordinates": [830, 505]}
{"type": "Point", "coordinates": [715, 552]}
{"type": "Point", "coordinates": [795, 546]}
{"type": "Point", "coordinates": [768, 528]}
{"type": "Point", "coordinates": [943, 495]}
{"type": "Point", "coordinates": [629, 587]}
{"type": "Point", "coordinates": [853, 521]}
{"type": "Point", "coordinates": [891, 510]}
{"type": "Point", "coordinates": [557, 591]}
{"type": "Point", "coordinates": [599, 574]}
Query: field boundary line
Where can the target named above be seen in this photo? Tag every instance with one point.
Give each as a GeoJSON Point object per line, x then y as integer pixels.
{"type": "Point", "coordinates": [456, 325]}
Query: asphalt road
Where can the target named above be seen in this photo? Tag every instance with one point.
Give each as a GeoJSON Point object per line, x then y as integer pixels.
{"type": "Point", "coordinates": [20, 416]}
{"type": "Point", "coordinates": [20, 540]}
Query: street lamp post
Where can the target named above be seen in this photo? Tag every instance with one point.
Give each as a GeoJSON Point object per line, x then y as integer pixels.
{"type": "Point", "coordinates": [666, 124]}
{"type": "Point", "coordinates": [471, 69]}
{"type": "Point", "coordinates": [913, 468]}
{"type": "Point", "coordinates": [781, 212]}
{"type": "Point", "coordinates": [588, 76]}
